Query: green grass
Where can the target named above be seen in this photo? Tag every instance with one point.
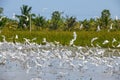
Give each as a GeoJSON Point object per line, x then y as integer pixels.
{"type": "Point", "coordinates": [64, 37]}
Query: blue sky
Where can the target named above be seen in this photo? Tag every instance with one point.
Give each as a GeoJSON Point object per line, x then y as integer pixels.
{"type": "Point", "coordinates": [81, 9]}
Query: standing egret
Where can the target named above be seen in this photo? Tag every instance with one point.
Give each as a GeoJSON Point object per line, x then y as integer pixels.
{"type": "Point", "coordinates": [105, 42]}
{"type": "Point", "coordinates": [4, 40]}
{"type": "Point", "coordinates": [98, 28]}
{"type": "Point", "coordinates": [116, 17]}
{"type": "Point", "coordinates": [81, 26]}
{"type": "Point", "coordinates": [44, 41]}
{"type": "Point", "coordinates": [13, 16]}
{"type": "Point", "coordinates": [110, 27]}
{"type": "Point", "coordinates": [16, 37]}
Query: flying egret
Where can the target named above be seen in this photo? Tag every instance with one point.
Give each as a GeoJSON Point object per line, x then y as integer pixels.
{"type": "Point", "coordinates": [33, 39]}
{"type": "Point", "coordinates": [93, 39]}
{"type": "Point", "coordinates": [2, 18]}
{"type": "Point", "coordinates": [74, 38]}
{"type": "Point", "coordinates": [27, 41]}
{"type": "Point", "coordinates": [118, 45]}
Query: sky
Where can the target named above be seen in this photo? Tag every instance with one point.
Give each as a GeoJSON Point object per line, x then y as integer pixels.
{"type": "Point", "coordinates": [81, 9]}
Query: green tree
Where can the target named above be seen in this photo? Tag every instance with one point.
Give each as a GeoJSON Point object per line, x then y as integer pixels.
{"type": "Point", "coordinates": [105, 18]}
{"type": "Point", "coordinates": [1, 10]}
{"type": "Point", "coordinates": [39, 21]}
{"type": "Point", "coordinates": [3, 19]}
{"type": "Point", "coordinates": [116, 24]}
{"type": "Point", "coordinates": [86, 24]}
{"type": "Point", "coordinates": [55, 20]}
{"type": "Point", "coordinates": [70, 22]}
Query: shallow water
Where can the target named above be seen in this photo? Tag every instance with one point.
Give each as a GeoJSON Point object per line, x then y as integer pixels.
{"type": "Point", "coordinates": [56, 62]}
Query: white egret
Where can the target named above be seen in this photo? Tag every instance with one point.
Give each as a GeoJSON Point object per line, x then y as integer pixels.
{"type": "Point", "coordinates": [4, 40]}
{"type": "Point", "coordinates": [105, 42]}
{"type": "Point", "coordinates": [81, 26]}
{"type": "Point", "coordinates": [118, 45]}
{"type": "Point", "coordinates": [98, 28]}
{"type": "Point", "coordinates": [37, 64]}
{"type": "Point", "coordinates": [74, 38]}
{"type": "Point", "coordinates": [98, 45]}
{"type": "Point", "coordinates": [57, 43]}
{"type": "Point", "coordinates": [27, 41]}
{"type": "Point", "coordinates": [74, 35]}
{"type": "Point", "coordinates": [2, 18]}
{"type": "Point", "coordinates": [16, 37]}
{"type": "Point", "coordinates": [110, 27]}
{"type": "Point", "coordinates": [27, 18]}
{"type": "Point", "coordinates": [33, 39]}
{"type": "Point", "coordinates": [13, 16]}
{"type": "Point", "coordinates": [114, 40]}
{"type": "Point", "coordinates": [93, 39]}
{"type": "Point", "coordinates": [44, 41]}
{"type": "Point", "coordinates": [24, 25]}
{"type": "Point", "coordinates": [116, 17]}
{"type": "Point", "coordinates": [28, 68]}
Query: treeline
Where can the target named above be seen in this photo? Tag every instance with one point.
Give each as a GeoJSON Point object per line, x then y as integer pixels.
{"type": "Point", "coordinates": [31, 21]}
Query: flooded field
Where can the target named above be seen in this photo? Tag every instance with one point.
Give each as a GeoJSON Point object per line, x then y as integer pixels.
{"type": "Point", "coordinates": [31, 61]}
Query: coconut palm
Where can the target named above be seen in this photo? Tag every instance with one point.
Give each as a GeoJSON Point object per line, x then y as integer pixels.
{"type": "Point", "coordinates": [24, 18]}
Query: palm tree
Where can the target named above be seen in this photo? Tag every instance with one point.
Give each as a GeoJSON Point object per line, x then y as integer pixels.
{"type": "Point", "coordinates": [25, 10]}
{"type": "Point", "coordinates": [3, 19]}
{"type": "Point", "coordinates": [70, 22]}
{"type": "Point", "coordinates": [24, 18]}
{"type": "Point", "coordinates": [39, 21]}
{"type": "Point", "coordinates": [55, 20]}
{"type": "Point", "coordinates": [105, 18]}
{"type": "Point", "coordinates": [1, 10]}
